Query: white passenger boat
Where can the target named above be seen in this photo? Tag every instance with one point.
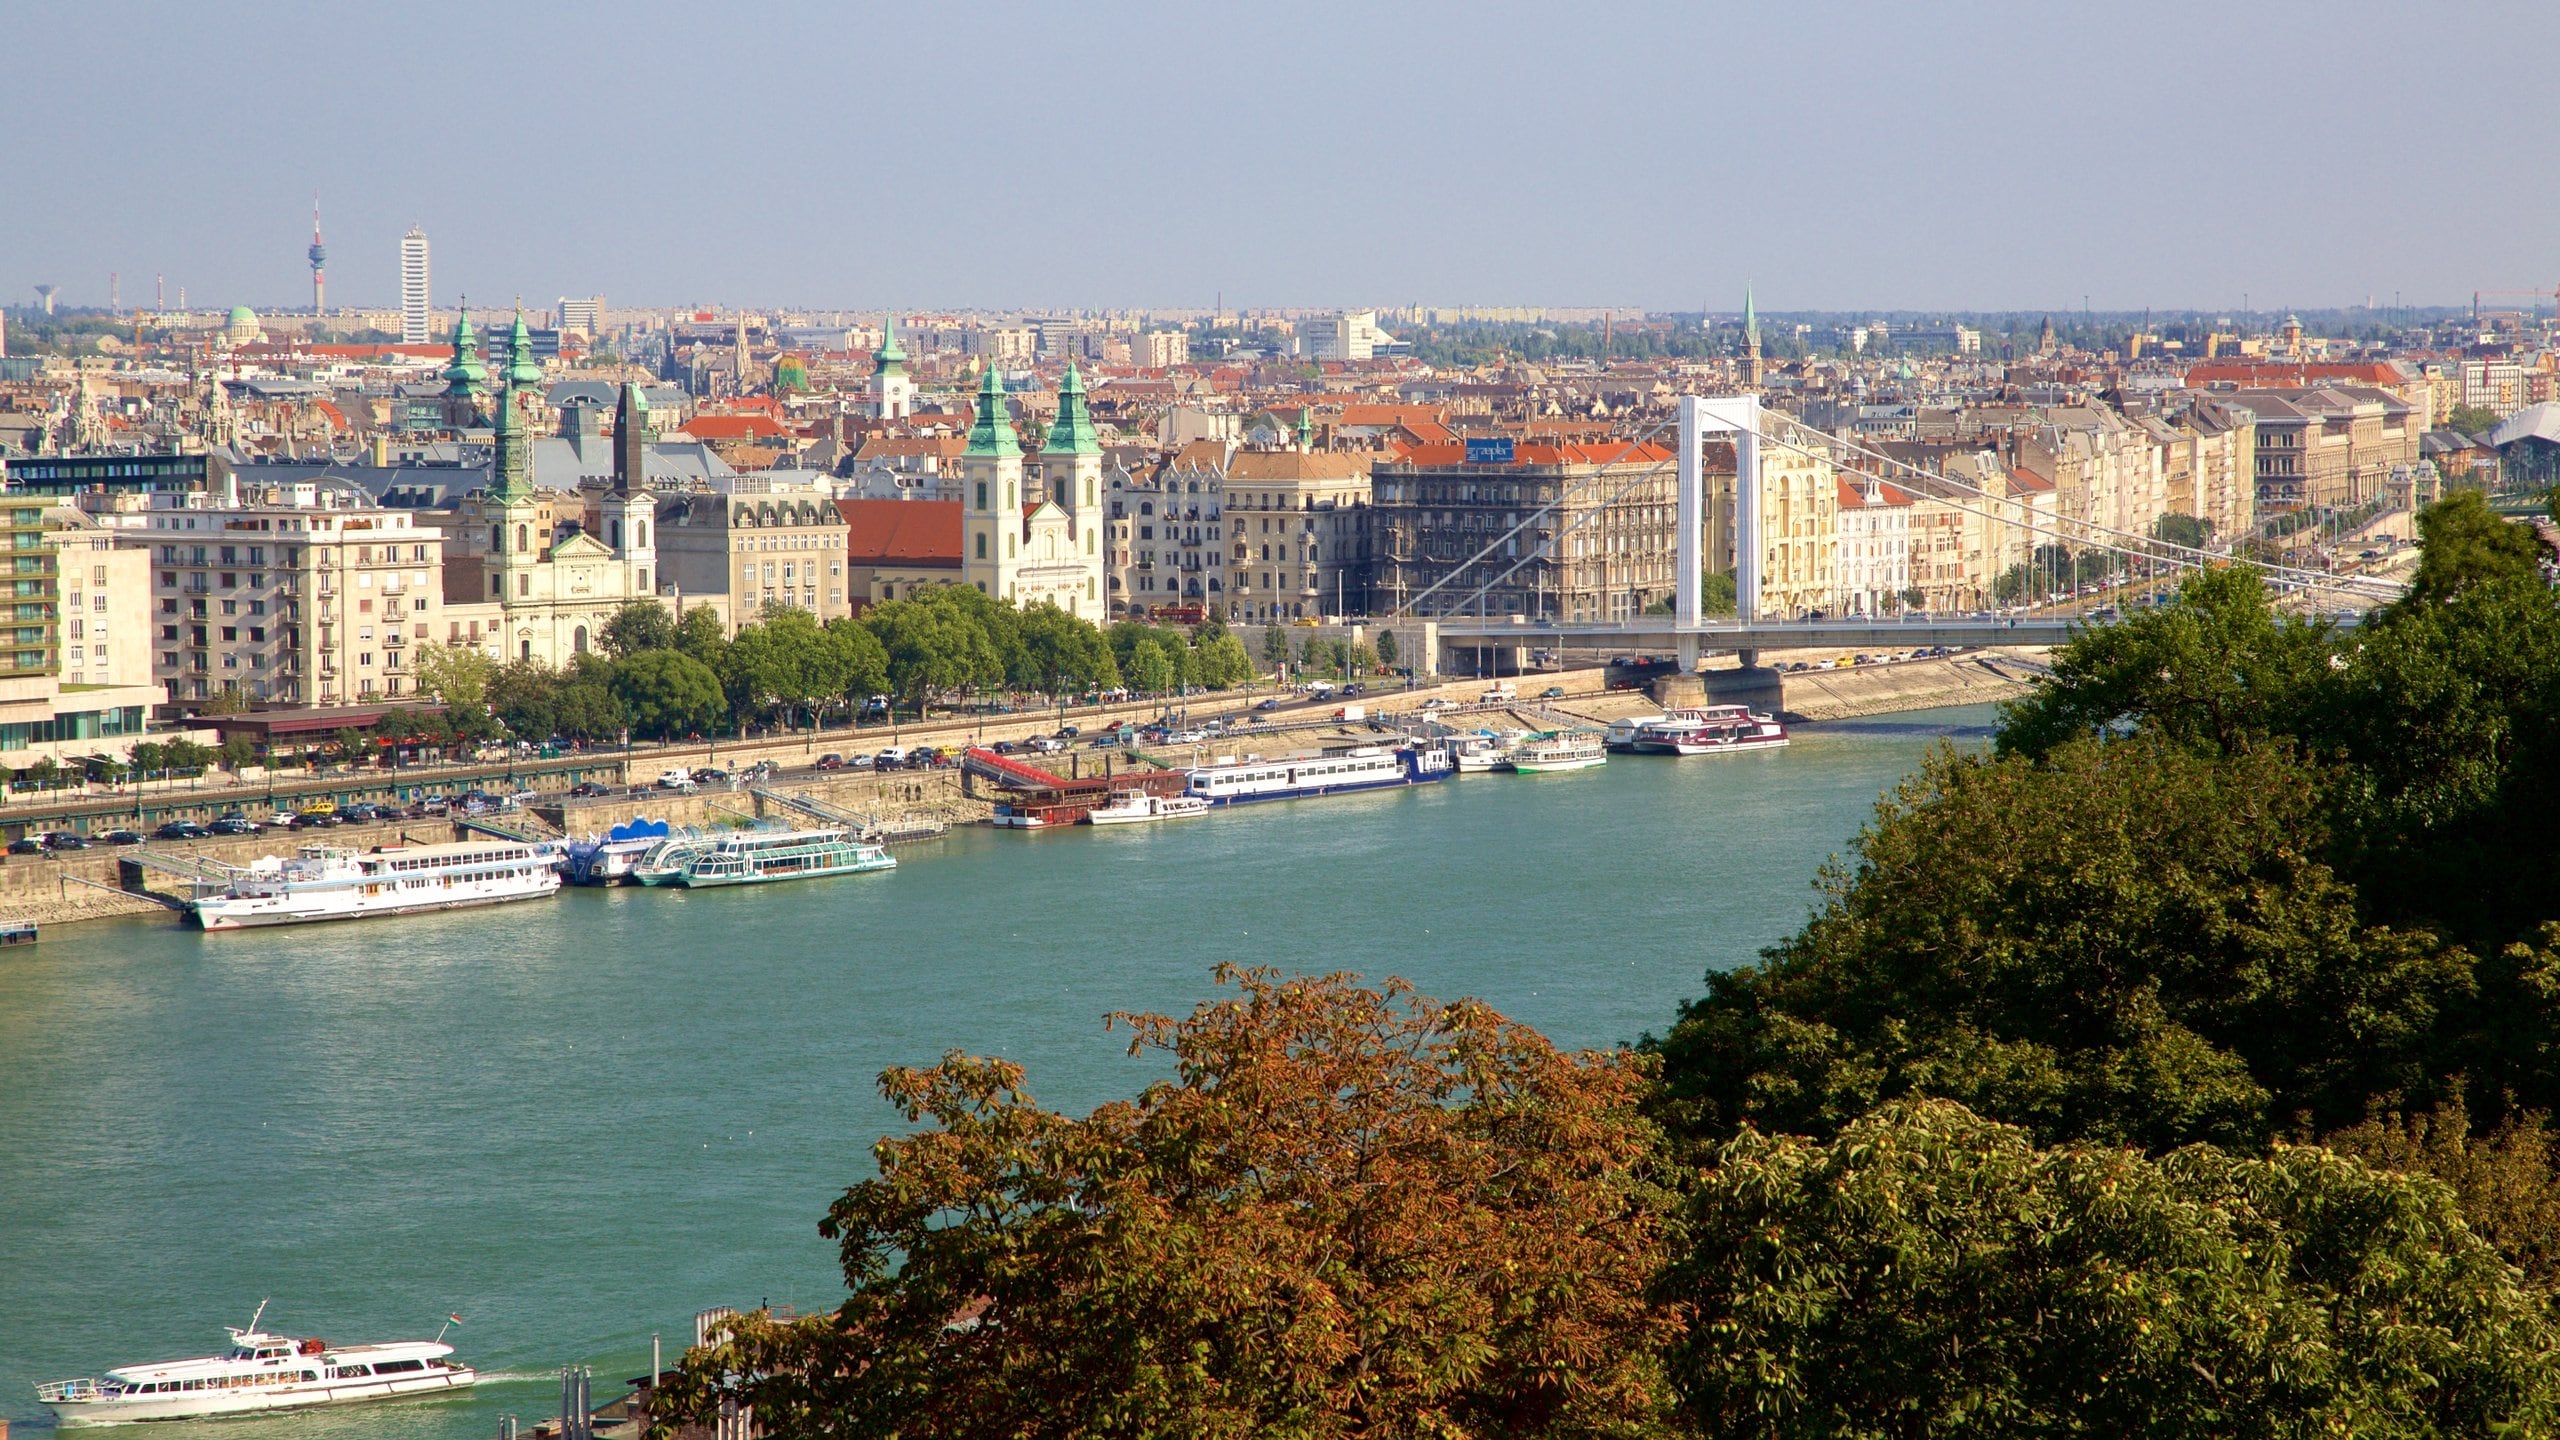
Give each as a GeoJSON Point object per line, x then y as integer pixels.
{"type": "Point", "coordinates": [758, 857]}
{"type": "Point", "coordinates": [1137, 806]}
{"type": "Point", "coordinates": [1239, 782]}
{"type": "Point", "coordinates": [259, 1372]}
{"type": "Point", "coordinates": [609, 859]}
{"type": "Point", "coordinates": [326, 882]}
{"type": "Point", "coordinates": [1558, 750]}
{"type": "Point", "coordinates": [1714, 730]}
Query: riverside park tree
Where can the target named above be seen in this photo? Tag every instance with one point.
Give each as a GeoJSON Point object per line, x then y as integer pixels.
{"type": "Point", "coordinates": [1928, 1273]}
{"type": "Point", "coordinates": [666, 694]}
{"type": "Point", "coordinates": [639, 625]}
{"type": "Point", "coordinates": [1349, 1212]}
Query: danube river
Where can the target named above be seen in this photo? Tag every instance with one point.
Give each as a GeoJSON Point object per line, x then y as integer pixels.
{"type": "Point", "coordinates": [575, 1123]}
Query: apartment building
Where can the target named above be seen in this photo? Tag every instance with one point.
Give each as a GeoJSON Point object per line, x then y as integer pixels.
{"type": "Point", "coordinates": [762, 551]}
{"type": "Point", "coordinates": [2333, 447]}
{"type": "Point", "coordinates": [296, 594]}
{"type": "Point", "coordinates": [1563, 531]}
{"type": "Point", "coordinates": [1297, 533]}
{"type": "Point", "coordinates": [1875, 545]}
{"type": "Point", "coordinates": [105, 620]}
{"type": "Point", "coordinates": [1167, 535]}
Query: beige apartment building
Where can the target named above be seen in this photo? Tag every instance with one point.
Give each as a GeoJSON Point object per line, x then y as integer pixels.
{"type": "Point", "coordinates": [763, 552]}
{"type": "Point", "coordinates": [106, 602]}
{"type": "Point", "coordinates": [2335, 446]}
{"type": "Point", "coordinates": [296, 594]}
{"type": "Point", "coordinates": [1576, 531]}
{"type": "Point", "coordinates": [1297, 537]}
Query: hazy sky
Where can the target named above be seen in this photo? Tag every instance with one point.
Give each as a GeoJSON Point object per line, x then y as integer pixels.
{"type": "Point", "coordinates": [1923, 155]}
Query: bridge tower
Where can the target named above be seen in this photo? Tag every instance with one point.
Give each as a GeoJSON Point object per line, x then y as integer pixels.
{"type": "Point", "coordinates": [1701, 416]}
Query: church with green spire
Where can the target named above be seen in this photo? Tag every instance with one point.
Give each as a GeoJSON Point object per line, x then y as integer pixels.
{"type": "Point", "coordinates": [893, 393]}
{"type": "Point", "coordinates": [1025, 550]}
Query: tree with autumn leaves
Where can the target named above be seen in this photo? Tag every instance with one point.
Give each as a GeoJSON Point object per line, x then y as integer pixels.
{"type": "Point", "coordinates": [1351, 1211]}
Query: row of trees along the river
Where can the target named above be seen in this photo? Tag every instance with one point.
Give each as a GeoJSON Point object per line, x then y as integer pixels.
{"type": "Point", "coordinates": [2180, 1066]}
{"type": "Point", "coordinates": [668, 676]}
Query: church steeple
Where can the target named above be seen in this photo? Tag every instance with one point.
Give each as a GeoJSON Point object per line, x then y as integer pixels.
{"type": "Point", "coordinates": [522, 369]}
{"type": "Point", "coordinates": [889, 357]}
{"type": "Point", "coordinates": [1750, 340]}
{"type": "Point", "coordinates": [992, 432]}
{"type": "Point", "coordinates": [1072, 434]}
{"type": "Point", "coordinates": [630, 441]}
{"type": "Point", "coordinates": [510, 480]}
{"type": "Point", "coordinates": [892, 393]}
{"type": "Point", "coordinates": [1306, 429]}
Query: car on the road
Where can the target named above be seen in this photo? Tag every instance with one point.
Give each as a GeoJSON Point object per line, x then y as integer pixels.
{"type": "Point", "coordinates": [233, 825]}
{"type": "Point", "coordinates": [181, 830]}
{"type": "Point", "coordinates": [122, 837]}
{"type": "Point", "coordinates": [26, 845]}
{"type": "Point", "coordinates": [1271, 704]}
{"type": "Point", "coordinates": [361, 810]}
{"type": "Point", "coordinates": [890, 757]}
{"type": "Point", "coordinates": [588, 790]}
{"type": "Point", "coordinates": [1046, 744]}
{"type": "Point", "coordinates": [830, 762]}
{"type": "Point", "coordinates": [1069, 732]}
{"type": "Point", "coordinates": [1552, 692]}
{"type": "Point", "coordinates": [435, 805]}
{"type": "Point", "coordinates": [315, 820]}
{"type": "Point", "coordinates": [710, 775]}
{"type": "Point", "coordinates": [857, 762]}
{"type": "Point", "coordinates": [1002, 747]}
{"type": "Point", "coordinates": [66, 840]}
{"type": "Point", "coordinates": [924, 757]}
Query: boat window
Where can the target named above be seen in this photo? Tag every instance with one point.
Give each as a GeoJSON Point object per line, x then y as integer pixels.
{"type": "Point", "coordinates": [398, 1367]}
{"type": "Point", "coordinates": [351, 1372]}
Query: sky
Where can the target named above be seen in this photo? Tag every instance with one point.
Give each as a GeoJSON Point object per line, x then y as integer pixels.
{"type": "Point", "coordinates": [1949, 155]}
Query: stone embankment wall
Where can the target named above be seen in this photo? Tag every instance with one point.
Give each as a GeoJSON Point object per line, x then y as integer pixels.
{"type": "Point", "coordinates": [1972, 679]}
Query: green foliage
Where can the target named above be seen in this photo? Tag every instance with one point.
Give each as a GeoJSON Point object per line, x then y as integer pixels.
{"type": "Point", "coordinates": [666, 694]}
{"type": "Point", "coordinates": [456, 677]}
{"type": "Point", "coordinates": [1388, 649]}
{"type": "Point", "coordinates": [701, 635]}
{"type": "Point", "coordinates": [1223, 662]}
{"type": "Point", "coordinates": [935, 642]}
{"type": "Point", "coordinates": [1929, 1273]}
{"type": "Point", "coordinates": [2471, 419]}
{"type": "Point", "coordinates": [1345, 1212]}
{"type": "Point", "coordinates": [1062, 654]}
{"type": "Point", "coordinates": [639, 625]}
{"type": "Point", "coordinates": [1275, 646]}
{"type": "Point", "coordinates": [2218, 671]}
{"type": "Point", "coordinates": [785, 663]}
{"type": "Point", "coordinates": [521, 694]}
{"type": "Point", "coordinates": [2465, 542]}
{"type": "Point", "coordinates": [1148, 670]}
{"type": "Point", "coordinates": [2127, 942]}
{"type": "Point", "coordinates": [237, 753]}
{"type": "Point", "coordinates": [1718, 593]}
{"type": "Point", "coordinates": [2192, 531]}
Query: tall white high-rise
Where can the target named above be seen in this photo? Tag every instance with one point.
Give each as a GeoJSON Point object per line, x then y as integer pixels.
{"type": "Point", "coordinates": [413, 287]}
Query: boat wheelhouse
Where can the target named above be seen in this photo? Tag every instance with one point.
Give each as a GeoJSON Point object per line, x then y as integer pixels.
{"type": "Point", "coordinates": [326, 882]}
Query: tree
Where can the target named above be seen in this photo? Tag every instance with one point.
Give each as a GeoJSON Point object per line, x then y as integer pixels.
{"type": "Point", "coordinates": [859, 658]}
{"type": "Point", "coordinates": [1348, 1212]}
{"type": "Point", "coordinates": [2123, 942]}
{"type": "Point", "coordinates": [2217, 670]}
{"type": "Point", "coordinates": [150, 758]}
{"type": "Point", "coordinates": [1930, 1273]}
{"type": "Point", "coordinates": [783, 662]}
{"type": "Point", "coordinates": [666, 694]}
{"type": "Point", "coordinates": [1387, 648]}
{"type": "Point", "coordinates": [353, 745]}
{"type": "Point", "coordinates": [639, 625]}
{"type": "Point", "coordinates": [1363, 660]}
{"type": "Point", "coordinates": [523, 693]}
{"type": "Point", "coordinates": [187, 756]}
{"type": "Point", "coordinates": [456, 677]}
{"type": "Point", "coordinates": [2471, 419]}
{"type": "Point", "coordinates": [2191, 531]}
{"type": "Point", "coordinates": [1149, 670]}
{"type": "Point", "coordinates": [587, 708]}
{"type": "Point", "coordinates": [2464, 543]}
{"type": "Point", "coordinates": [1275, 647]}
{"type": "Point", "coordinates": [1223, 662]}
{"type": "Point", "coordinates": [700, 635]}
{"type": "Point", "coordinates": [1718, 593]}
{"type": "Point", "coordinates": [238, 753]}
{"type": "Point", "coordinates": [933, 647]}
{"type": "Point", "coordinates": [1062, 653]}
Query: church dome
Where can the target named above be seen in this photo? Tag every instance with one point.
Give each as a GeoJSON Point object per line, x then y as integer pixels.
{"type": "Point", "coordinates": [242, 327]}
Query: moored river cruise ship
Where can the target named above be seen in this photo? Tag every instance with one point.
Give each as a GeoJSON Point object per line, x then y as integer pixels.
{"type": "Point", "coordinates": [326, 882]}
{"type": "Point", "coordinates": [259, 1372]}
{"type": "Point", "coordinates": [1238, 782]}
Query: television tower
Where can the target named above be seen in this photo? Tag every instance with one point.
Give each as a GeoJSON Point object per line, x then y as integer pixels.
{"type": "Point", "coordinates": [319, 259]}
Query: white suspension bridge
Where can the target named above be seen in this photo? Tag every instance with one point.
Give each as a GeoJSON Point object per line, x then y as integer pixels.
{"type": "Point", "coordinates": [1688, 632]}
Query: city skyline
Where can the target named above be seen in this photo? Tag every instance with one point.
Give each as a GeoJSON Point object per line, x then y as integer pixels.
{"type": "Point", "coordinates": [1965, 160]}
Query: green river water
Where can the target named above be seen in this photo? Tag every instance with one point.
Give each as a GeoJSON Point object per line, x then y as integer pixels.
{"type": "Point", "coordinates": [575, 1123]}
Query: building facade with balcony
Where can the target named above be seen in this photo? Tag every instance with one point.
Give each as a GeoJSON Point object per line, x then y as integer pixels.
{"type": "Point", "coordinates": [1298, 537]}
{"type": "Point", "coordinates": [1559, 531]}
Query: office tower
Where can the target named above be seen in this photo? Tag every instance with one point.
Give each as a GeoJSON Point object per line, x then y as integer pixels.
{"type": "Point", "coordinates": [414, 317]}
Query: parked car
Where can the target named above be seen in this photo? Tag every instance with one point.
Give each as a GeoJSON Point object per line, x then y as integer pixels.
{"type": "Point", "coordinates": [1552, 692]}
{"type": "Point", "coordinates": [1002, 747]}
{"type": "Point", "coordinates": [830, 762]}
{"type": "Point", "coordinates": [711, 775]}
{"type": "Point", "coordinates": [181, 830]}
{"type": "Point", "coordinates": [361, 810]}
{"type": "Point", "coordinates": [924, 757]}
{"type": "Point", "coordinates": [66, 840]}
{"type": "Point", "coordinates": [26, 845]}
{"type": "Point", "coordinates": [234, 825]}
{"type": "Point", "coordinates": [1271, 704]}
{"type": "Point", "coordinates": [890, 757]}
{"type": "Point", "coordinates": [1069, 732]}
{"type": "Point", "coordinates": [1048, 744]}
{"type": "Point", "coordinates": [315, 820]}
{"type": "Point", "coordinates": [857, 762]}
{"type": "Point", "coordinates": [675, 780]}
{"type": "Point", "coordinates": [587, 790]}
{"type": "Point", "coordinates": [122, 837]}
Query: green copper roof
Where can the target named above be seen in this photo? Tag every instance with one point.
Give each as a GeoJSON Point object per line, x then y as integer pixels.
{"type": "Point", "coordinates": [509, 481]}
{"type": "Point", "coordinates": [1750, 316]}
{"type": "Point", "coordinates": [1307, 429]}
{"type": "Point", "coordinates": [522, 368]}
{"type": "Point", "coordinates": [466, 375]}
{"type": "Point", "coordinates": [889, 355]}
{"type": "Point", "coordinates": [1073, 434]}
{"type": "Point", "coordinates": [992, 432]}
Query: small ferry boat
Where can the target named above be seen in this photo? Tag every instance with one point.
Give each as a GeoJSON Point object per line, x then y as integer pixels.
{"type": "Point", "coordinates": [17, 932]}
{"type": "Point", "coordinates": [1238, 782]}
{"type": "Point", "coordinates": [1620, 738]}
{"type": "Point", "coordinates": [259, 1372]}
{"type": "Point", "coordinates": [1134, 807]}
{"type": "Point", "coordinates": [1558, 750]}
{"type": "Point", "coordinates": [1714, 730]}
{"type": "Point", "coordinates": [758, 857]}
{"type": "Point", "coordinates": [326, 882]}
{"type": "Point", "coordinates": [609, 859]}
{"type": "Point", "coordinates": [1484, 751]}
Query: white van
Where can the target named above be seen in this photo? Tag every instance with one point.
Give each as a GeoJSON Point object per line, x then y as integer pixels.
{"type": "Point", "coordinates": [677, 779]}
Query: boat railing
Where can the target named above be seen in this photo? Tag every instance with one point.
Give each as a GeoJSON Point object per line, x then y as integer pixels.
{"type": "Point", "coordinates": [57, 1390]}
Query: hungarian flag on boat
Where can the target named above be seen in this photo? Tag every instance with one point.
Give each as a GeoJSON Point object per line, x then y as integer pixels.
{"type": "Point", "coordinates": [456, 1319]}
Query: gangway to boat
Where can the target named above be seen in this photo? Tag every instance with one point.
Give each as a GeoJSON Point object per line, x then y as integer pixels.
{"type": "Point", "coordinates": [1005, 770]}
{"type": "Point", "coordinates": [194, 869]}
{"type": "Point", "coordinates": [810, 806]}
{"type": "Point", "coordinates": [518, 827]}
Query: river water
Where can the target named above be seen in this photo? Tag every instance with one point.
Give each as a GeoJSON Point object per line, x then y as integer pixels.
{"type": "Point", "coordinates": [576, 1123]}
